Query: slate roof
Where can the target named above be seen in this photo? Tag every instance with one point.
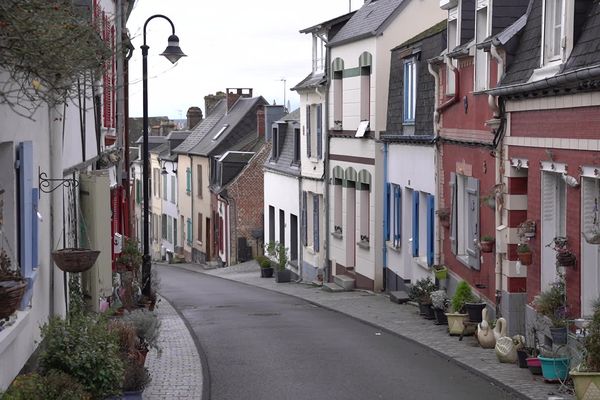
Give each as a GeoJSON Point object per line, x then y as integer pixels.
{"type": "Point", "coordinates": [203, 127]}
{"type": "Point", "coordinates": [586, 51]}
{"type": "Point", "coordinates": [310, 81]}
{"type": "Point", "coordinates": [370, 20]}
{"type": "Point", "coordinates": [240, 122]}
{"type": "Point", "coordinates": [285, 162]}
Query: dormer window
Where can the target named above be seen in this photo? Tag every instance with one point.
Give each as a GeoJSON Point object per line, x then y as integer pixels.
{"type": "Point", "coordinates": [453, 41]}
{"type": "Point", "coordinates": [554, 22]}
{"type": "Point", "coordinates": [220, 131]}
{"type": "Point", "coordinates": [481, 57]}
{"type": "Point", "coordinates": [318, 56]}
{"type": "Point", "coordinates": [275, 148]}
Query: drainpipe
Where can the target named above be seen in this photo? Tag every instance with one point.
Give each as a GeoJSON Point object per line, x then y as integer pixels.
{"type": "Point", "coordinates": [436, 162]}
{"type": "Point", "coordinates": [439, 110]}
{"type": "Point", "coordinates": [327, 268]}
{"type": "Point", "coordinates": [386, 215]}
{"type": "Point", "coordinates": [192, 208]}
{"type": "Point", "coordinates": [499, 59]}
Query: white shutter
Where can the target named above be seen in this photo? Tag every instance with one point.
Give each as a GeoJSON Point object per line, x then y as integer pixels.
{"type": "Point", "coordinates": [453, 213]}
{"type": "Point", "coordinates": [549, 221]}
{"type": "Point", "coordinates": [590, 257]}
{"type": "Point", "coordinates": [473, 222]}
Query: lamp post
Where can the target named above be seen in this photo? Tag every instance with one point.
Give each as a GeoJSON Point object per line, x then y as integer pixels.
{"type": "Point", "coordinates": [172, 53]}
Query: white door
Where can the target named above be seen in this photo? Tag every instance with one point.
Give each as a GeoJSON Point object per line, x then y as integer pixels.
{"type": "Point", "coordinates": [590, 253]}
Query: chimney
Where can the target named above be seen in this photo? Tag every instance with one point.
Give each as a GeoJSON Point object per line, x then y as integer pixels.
{"type": "Point", "coordinates": [260, 121]}
{"type": "Point", "coordinates": [194, 116]}
{"type": "Point", "coordinates": [211, 100]}
{"type": "Point", "coordinates": [233, 94]}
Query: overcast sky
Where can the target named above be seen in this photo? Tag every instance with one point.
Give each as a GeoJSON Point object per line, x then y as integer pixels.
{"type": "Point", "coordinates": [228, 43]}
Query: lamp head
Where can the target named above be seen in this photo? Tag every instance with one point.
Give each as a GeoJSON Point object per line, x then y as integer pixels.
{"type": "Point", "coordinates": [173, 53]}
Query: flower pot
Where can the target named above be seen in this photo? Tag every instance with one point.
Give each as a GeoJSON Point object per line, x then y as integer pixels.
{"type": "Point", "coordinates": [535, 365]}
{"type": "Point", "coordinates": [282, 276]}
{"type": "Point", "coordinates": [426, 310]}
{"type": "Point", "coordinates": [440, 316]}
{"type": "Point", "coordinates": [11, 293]}
{"type": "Point", "coordinates": [474, 311]}
{"type": "Point", "coordinates": [559, 335]}
{"type": "Point", "coordinates": [441, 273]}
{"type": "Point", "coordinates": [587, 385]}
{"type": "Point", "coordinates": [137, 395]}
{"type": "Point", "coordinates": [266, 272]}
{"type": "Point", "coordinates": [75, 260]}
{"type": "Point", "coordinates": [566, 259]}
{"type": "Point", "coordinates": [486, 247]}
{"type": "Point", "coordinates": [522, 357]}
{"type": "Point", "coordinates": [554, 369]}
{"type": "Point", "coordinates": [525, 258]}
{"type": "Point", "coordinates": [455, 323]}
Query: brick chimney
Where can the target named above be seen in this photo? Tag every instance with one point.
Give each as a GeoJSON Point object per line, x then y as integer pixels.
{"type": "Point", "coordinates": [260, 121]}
{"type": "Point", "coordinates": [211, 100]}
{"type": "Point", "coordinates": [233, 94]}
{"type": "Point", "coordinates": [194, 116]}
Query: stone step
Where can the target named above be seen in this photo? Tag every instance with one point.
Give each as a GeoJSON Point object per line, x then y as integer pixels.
{"type": "Point", "coordinates": [399, 297]}
{"type": "Point", "coordinates": [344, 281]}
{"type": "Point", "coordinates": [317, 282]}
{"type": "Point", "coordinates": [332, 287]}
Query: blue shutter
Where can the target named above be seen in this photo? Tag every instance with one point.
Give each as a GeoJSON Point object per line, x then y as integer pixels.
{"type": "Point", "coordinates": [35, 197]}
{"type": "Point", "coordinates": [388, 211]}
{"type": "Point", "coordinates": [316, 223]}
{"type": "Point", "coordinates": [304, 220]}
{"type": "Point", "coordinates": [319, 132]}
{"type": "Point", "coordinates": [25, 154]}
{"type": "Point", "coordinates": [397, 215]}
{"type": "Point", "coordinates": [308, 130]}
{"type": "Point", "coordinates": [415, 224]}
{"type": "Point", "coordinates": [453, 214]}
{"type": "Point", "coordinates": [430, 229]}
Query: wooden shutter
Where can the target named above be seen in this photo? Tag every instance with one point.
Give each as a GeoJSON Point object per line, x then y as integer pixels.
{"type": "Point", "coordinates": [453, 214]}
{"type": "Point", "coordinates": [397, 215]}
{"type": "Point", "coordinates": [473, 222]}
{"type": "Point", "coordinates": [26, 246]}
{"type": "Point", "coordinates": [316, 223]}
{"type": "Point", "coordinates": [319, 131]}
{"type": "Point", "coordinates": [415, 224]}
{"type": "Point", "coordinates": [188, 180]}
{"type": "Point", "coordinates": [549, 223]}
{"type": "Point", "coordinates": [430, 229]}
{"type": "Point", "coordinates": [304, 219]}
{"type": "Point", "coordinates": [308, 150]}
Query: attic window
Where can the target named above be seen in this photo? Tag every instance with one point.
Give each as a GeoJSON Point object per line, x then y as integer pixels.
{"type": "Point", "coordinates": [362, 129]}
{"type": "Point", "coordinates": [220, 131]}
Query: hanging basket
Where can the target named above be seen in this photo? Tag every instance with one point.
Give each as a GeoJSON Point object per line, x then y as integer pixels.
{"type": "Point", "coordinates": [566, 259]}
{"type": "Point", "coordinates": [592, 237]}
{"type": "Point", "coordinates": [11, 293]}
{"type": "Point", "coordinates": [75, 260]}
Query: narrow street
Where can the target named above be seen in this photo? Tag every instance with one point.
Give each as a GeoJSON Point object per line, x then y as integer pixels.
{"type": "Point", "coordinates": [265, 345]}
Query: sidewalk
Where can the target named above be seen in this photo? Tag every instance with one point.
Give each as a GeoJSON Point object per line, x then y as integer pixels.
{"type": "Point", "coordinates": [177, 372]}
{"type": "Point", "coordinates": [378, 310]}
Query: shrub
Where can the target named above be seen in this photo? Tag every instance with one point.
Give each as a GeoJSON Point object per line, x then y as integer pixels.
{"type": "Point", "coordinates": [420, 291]}
{"type": "Point", "coordinates": [462, 295]}
{"type": "Point", "coordinates": [86, 349]}
{"type": "Point", "coordinates": [487, 238]}
{"type": "Point", "coordinates": [55, 385]}
{"type": "Point", "coordinates": [147, 327]}
{"type": "Point", "coordinates": [439, 299]}
{"type": "Point", "coordinates": [592, 342]}
{"type": "Point", "coordinates": [136, 378]}
{"type": "Point", "coordinates": [523, 248]}
{"type": "Point", "coordinates": [551, 303]}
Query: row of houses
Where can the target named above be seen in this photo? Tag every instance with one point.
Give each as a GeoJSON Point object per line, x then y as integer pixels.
{"type": "Point", "coordinates": [483, 112]}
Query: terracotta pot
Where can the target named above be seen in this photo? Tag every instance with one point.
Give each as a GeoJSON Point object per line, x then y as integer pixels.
{"type": "Point", "coordinates": [525, 258]}
{"type": "Point", "coordinates": [487, 247]}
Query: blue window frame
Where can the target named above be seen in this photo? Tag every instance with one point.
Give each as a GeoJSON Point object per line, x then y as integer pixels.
{"type": "Point", "coordinates": [430, 228]}
{"type": "Point", "coordinates": [415, 224]}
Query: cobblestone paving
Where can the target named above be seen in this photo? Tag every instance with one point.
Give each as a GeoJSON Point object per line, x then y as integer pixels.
{"type": "Point", "coordinates": [177, 372]}
{"type": "Point", "coordinates": [404, 320]}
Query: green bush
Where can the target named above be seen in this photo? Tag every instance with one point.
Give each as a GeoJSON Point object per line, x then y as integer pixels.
{"type": "Point", "coordinates": [592, 342]}
{"type": "Point", "coordinates": [86, 349]}
{"type": "Point", "coordinates": [462, 295]}
{"type": "Point", "coordinates": [263, 261]}
{"type": "Point", "coordinates": [55, 385]}
{"type": "Point", "coordinates": [421, 290]}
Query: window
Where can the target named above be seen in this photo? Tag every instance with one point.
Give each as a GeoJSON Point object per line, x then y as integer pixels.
{"type": "Point", "coordinates": [338, 89]}
{"type": "Point", "coordinates": [296, 145]}
{"type": "Point", "coordinates": [199, 178]}
{"type": "Point", "coordinates": [174, 231]}
{"type": "Point", "coordinates": [156, 227]}
{"type": "Point", "coordinates": [453, 41]}
{"type": "Point", "coordinates": [188, 180]}
{"type": "Point", "coordinates": [138, 191]}
{"type": "Point", "coordinates": [590, 253]}
{"type": "Point", "coordinates": [223, 128]}
{"type": "Point", "coordinates": [164, 226]}
{"type": "Point", "coordinates": [464, 221]}
{"type": "Point", "coordinates": [481, 57]}
{"type": "Point", "coordinates": [337, 205]}
{"type": "Point", "coordinates": [319, 131]}
{"type": "Point", "coordinates": [415, 224]}
{"type": "Point", "coordinates": [553, 30]}
{"type": "Point", "coordinates": [365, 211]}
{"type": "Point", "coordinates": [165, 179]}
{"type": "Point", "coordinates": [271, 224]}
{"type": "Point", "coordinates": [316, 224]}
{"type": "Point", "coordinates": [365, 93]}
{"type": "Point", "coordinates": [199, 228]}
{"type": "Point", "coordinates": [304, 222]}
{"type": "Point", "coordinates": [308, 132]}
{"type": "Point", "coordinates": [553, 216]}
{"type": "Point", "coordinates": [173, 189]}
{"type": "Point", "coordinates": [282, 227]}
{"type": "Point", "coordinates": [396, 216]}
{"type": "Point", "coordinates": [310, 220]}
{"type": "Point", "coordinates": [156, 187]}
{"type": "Point", "coordinates": [410, 90]}
{"type": "Point", "coordinates": [318, 56]}
{"type": "Point", "coordinates": [275, 148]}
{"type": "Point", "coordinates": [189, 232]}
{"type": "Point", "coordinates": [170, 229]}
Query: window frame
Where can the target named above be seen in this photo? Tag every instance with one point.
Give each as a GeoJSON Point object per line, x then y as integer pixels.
{"type": "Point", "coordinates": [554, 58]}
{"type": "Point", "coordinates": [482, 59]}
{"type": "Point", "coordinates": [409, 97]}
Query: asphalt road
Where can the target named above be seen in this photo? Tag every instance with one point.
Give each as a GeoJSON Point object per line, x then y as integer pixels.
{"type": "Point", "coordinates": [262, 345]}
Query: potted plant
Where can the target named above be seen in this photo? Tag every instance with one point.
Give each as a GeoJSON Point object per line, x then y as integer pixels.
{"type": "Point", "coordinates": [12, 286]}
{"type": "Point", "coordinates": [592, 235]}
{"type": "Point", "coordinates": [440, 272]}
{"type": "Point", "coordinates": [487, 243]}
{"type": "Point", "coordinates": [526, 228]}
{"type": "Point", "coordinates": [554, 367]}
{"type": "Point", "coordinates": [524, 253]}
{"type": "Point", "coordinates": [439, 302]}
{"type": "Point", "coordinates": [278, 252]}
{"type": "Point", "coordinates": [586, 376]}
{"type": "Point", "coordinates": [444, 216]}
{"type": "Point", "coordinates": [457, 317]}
{"type": "Point", "coordinates": [266, 271]}
{"type": "Point", "coordinates": [564, 255]}
{"type": "Point", "coordinates": [135, 380]}
{"type": "Point", "coordinates": [147, 328]}
{"type": "Point", "coordinates": [551, 304]}
{"type": "Point", "coordinates": [420, 293]}
{"type": "Point", "coordinates": [130, 258]}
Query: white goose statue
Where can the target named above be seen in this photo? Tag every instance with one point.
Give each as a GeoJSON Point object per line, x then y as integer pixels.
{"type": "Point", "coordinates": [485, 335]}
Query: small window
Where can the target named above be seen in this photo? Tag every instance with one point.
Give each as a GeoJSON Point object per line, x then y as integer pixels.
{"type": "Point", "coordinates": [453, 41]}
{"type": "Point", "coordinates": [481, 57]}
{"type": "Point", "coordinates": [199, 237]}
{"type": "Point", "coordinates": [164, 227]}
{"type": "Point", "coordinates": [220, 131]}
{"type": "Point", "coordinates": [271, 224]}
{"type": "Point", "coordinates": [338, 99]}
{"type": "Point", "coordinates": [173, 189]}
{"type": "Point", "coordinates": [199, 178]}
{"type": "Point", "coordinates": [188, 180]}
{"type": "Point", "coordinates": [296, 145]}
{"type": "Point", "coordinates": [365, 211]}
{"type": "Point", "coordinates": [337, 206]}
{"type": "Point", "coordinates": [365, 93]}
{"type": "Point", "coordinates": [553, 30]}
{"type": "Point", "coordinates": [410, 90]}
{"type": "Point", "coordinates": [275, 149]}
{"type": "Point", "coordinates": [362, 129]}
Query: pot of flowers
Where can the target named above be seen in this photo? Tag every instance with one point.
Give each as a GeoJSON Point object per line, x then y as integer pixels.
{"type": "Point", "coordinates": [457, 317]}
{"type": "Point", "coordinates": [420, 293]}
{"type": "Point", "coordinates": [266, 271]}
{"type": "Point", "coordinates": [551, 303]}
{"type": "Point", "coordinates": [526, 228]}
{"type": "Point", "coordinates": [440, 272]}
{"type": "Point", "coordinates": [439, 302]}
{"type": "Point", "coordinates": [12, 287]}
{"type": "Point", "coordinates": [135, 380]}
{"type": "Point", "coordinates": [278, 252]}
{"type": "Point", "coordinates": [586, 376]}
{"type": "Point", "coordinates": [487, 243]}
{"type": "Point", "coordinates": [564, 255]}
{"type": "Point", "coordinates": [474, 309]}
{"type": "Point", "coordinates": [524, 253]}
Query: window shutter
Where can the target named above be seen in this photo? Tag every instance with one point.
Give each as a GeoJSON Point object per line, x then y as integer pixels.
{"type": "Point", "coordinates": [189, 231]}
{"type": "Point", "coordinates": [388, 210]}
{"type": "Point", "coordinates": [138, 191]}
{"type": "Point", "coordinates": [453, 214]}
{"type": "Point", "coordinates": [549, 217]}
{"type": "Point", "coordinates": [397, 215]}
{"type": "Point", "coordinates": [175, 232]}
{"type": "Point", "coordinates": [319, 132]}
{"type": "Point", "coordinates": [26, 247]}
{"type": "Point", "coordinates": [473, 222]}
{"type": "Point", "coordinates": [308, 152]}
{"type": "Point", "coordinates": [430, 229]}
{"type": "Point", "coordinates": [590, 213]}
{"type": "Point", "coordinates": [316, 223]}
{"type": "Point", "coordinates": [415, 224]}
{"type": "Point", "coordinates": [304, 219]}
{"type": "Point", "coordinates": [188, 179]}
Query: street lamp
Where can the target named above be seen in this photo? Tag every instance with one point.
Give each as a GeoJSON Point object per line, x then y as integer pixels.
{"type": "Point", "coordinates": [172, 53]}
